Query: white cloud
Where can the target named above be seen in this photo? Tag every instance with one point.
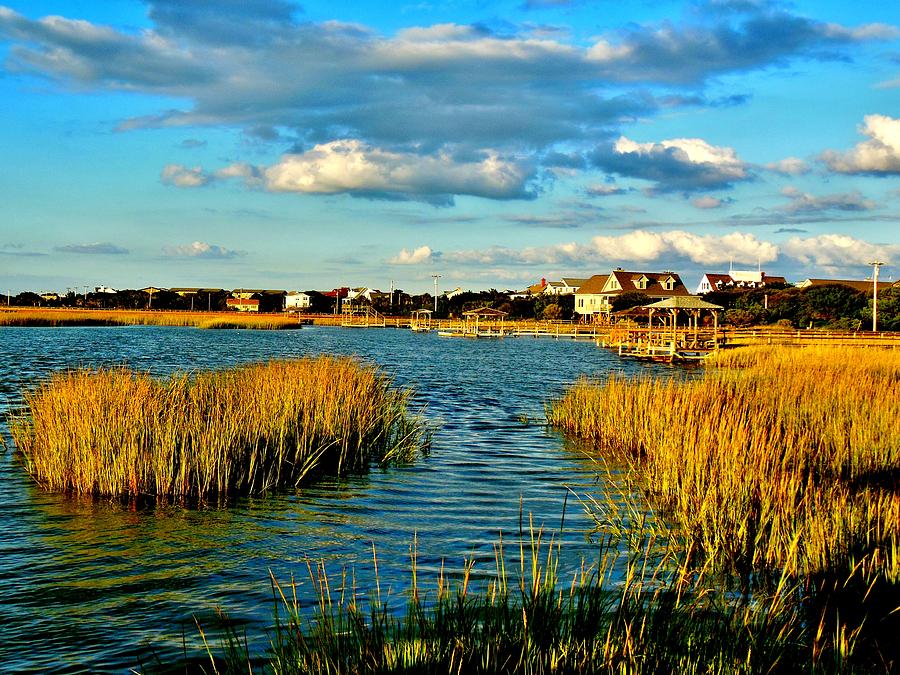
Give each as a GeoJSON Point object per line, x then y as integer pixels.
{"type": "Point", "coordinates": [789, 166]}
{"type": "Point", "coordinates": [878, 155]}
{"type": "Point", "coordinates": [356, 167]}
{"type": "Point", "coordinates": [417, 256]}
{"type": "Point", "coordinates": [838, 250]}
{"type": "Point", "coordinates": [687, 164]}
{"type": "Point", "coordinates": [646, 246]}
{"type": "Point", "coordinates": [184, 177]}
{"type": "Point", "coordinates": [200, 249]}
{"type": "Point", "coordinates": [707, 202]}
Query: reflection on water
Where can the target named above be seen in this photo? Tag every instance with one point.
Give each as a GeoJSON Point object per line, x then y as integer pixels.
{"type": "Point", "coordinates": [87, 585]}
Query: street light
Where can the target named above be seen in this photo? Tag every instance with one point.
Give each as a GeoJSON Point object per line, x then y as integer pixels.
{"type": "Point", "coordinates": [435, 277]}
{"type": "Point", "coordinates": [875, 265]}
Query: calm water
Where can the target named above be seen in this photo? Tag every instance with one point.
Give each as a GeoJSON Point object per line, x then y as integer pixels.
{"type": "Point", "coordinates": [92, 586]}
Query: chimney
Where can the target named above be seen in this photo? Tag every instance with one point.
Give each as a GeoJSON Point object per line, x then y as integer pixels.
{"type": "Point", "coordinates": [543, 282]}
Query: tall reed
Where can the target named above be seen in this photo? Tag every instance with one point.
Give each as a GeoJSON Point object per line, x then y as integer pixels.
{"type": "Point", "coordinates": [116, 432]}
{"type": "Point", "coordinates": [776, 462]}
{"type": "Point", "coordinates": [631, 612]}
{"type": "Point", "coordinates": [57, 318]}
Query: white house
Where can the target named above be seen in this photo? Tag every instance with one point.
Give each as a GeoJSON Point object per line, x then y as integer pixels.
{"type": "Point", "coordinates": [297, 300]}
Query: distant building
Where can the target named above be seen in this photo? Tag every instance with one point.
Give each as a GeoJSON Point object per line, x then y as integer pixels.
{"type": "Point", "coordinates": [298, 300]}
{"type": "Point", "coordinates": [105, 289]}
{"type": "Point", "coordinates": [50, 296]}
{"type": "Point", "coordinates": [243, 304]}
{"type": "Point", "coordinates": [452, 294]}
{"type": "Point", "coordinates": [865, 286]}
{"type": "Point", "coordinates": [737, 279]}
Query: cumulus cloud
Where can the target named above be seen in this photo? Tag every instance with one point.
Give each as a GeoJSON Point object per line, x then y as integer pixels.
{"type": "Point", "coordinates": [789, 166]}
{"type": "Point", "coordinates": [100, 248]}
{"type": "Point", "coordinates": [838, 250]}
{"type": "Point", "coordinates": [880, 155]}
{"type": "Point", "coordinates": [417, 256]}
{"type": "Point", "coordinates": [353, 167]}
{"type": "Point", "coordinates": [183, 176]}
{"type": "Point", "coordinates": [686, 164]}
{"type": "Point", "coordinates": [200, 249]}
{"type": "Point", "coordinates": [803, 202]}
{"type": "Point", "coordinates": [646, 246]}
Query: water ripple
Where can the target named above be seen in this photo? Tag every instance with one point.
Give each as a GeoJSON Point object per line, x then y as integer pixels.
{"type": "Point", "coordinates": [89, 585]}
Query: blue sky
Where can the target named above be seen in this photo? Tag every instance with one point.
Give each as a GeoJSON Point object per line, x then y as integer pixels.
{"type": "Point", "coordinates": [285, 145]}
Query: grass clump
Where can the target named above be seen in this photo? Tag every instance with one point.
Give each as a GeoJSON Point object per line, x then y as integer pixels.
{"type": "Point", "coordinates": [244, 322]}
{"type": "Point", "coordinates": [775, 463]}
{"type": "Point", "coordinates": [119, 433]}
{"type": "Point", "coordinates": [631, 612]}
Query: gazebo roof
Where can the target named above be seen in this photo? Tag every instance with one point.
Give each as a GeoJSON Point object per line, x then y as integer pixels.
{"type": "Point", "coordinates": [683, 302]}
{"type": "Point", "coordinates": [485, 312]}
{"type": "Point", "coordinates": [422, 311]}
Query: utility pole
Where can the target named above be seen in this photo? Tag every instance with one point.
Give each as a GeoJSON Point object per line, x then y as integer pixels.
{"type": "Point", "coordinates": [875, 265]}
{"type": "Point", "coordinates": [435, 277]}
{"type": "Point", "coordinates": [392, 294]}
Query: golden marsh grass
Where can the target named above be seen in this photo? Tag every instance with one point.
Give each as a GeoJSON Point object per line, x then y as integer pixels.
{"type": "Point", "coordinates": [57, 318]}
{"type": "Point", "coordinates": [775, 459]}
{"type": "Point", "coordinates": [116, 432]}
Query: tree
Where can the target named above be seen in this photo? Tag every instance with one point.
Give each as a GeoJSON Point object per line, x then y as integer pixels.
{"type": "Point", "coordinates": [552, 312]}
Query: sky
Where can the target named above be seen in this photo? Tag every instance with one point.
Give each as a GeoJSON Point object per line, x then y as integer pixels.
{"type": "Point", "coordinates": [274, 144]}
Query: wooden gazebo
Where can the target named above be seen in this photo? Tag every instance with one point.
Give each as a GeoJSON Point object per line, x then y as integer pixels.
{"type": "Point", "coordinates": [484, 322]}
{"type": "Point", "coordinates": [667, 312]}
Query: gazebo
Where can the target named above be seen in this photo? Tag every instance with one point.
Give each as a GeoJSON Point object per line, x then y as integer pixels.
{"type": "Point", "coordinates": [668, 310]}
{"type": "Point", "coordinates": [421, 321]}
{"type": "Point", "coordinates": [482, 322]}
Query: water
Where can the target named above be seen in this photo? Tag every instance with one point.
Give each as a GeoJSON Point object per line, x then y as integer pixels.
{"type": "Point", "coordinates": [95, 586]}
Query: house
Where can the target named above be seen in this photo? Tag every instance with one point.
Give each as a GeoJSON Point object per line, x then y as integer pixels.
{"type": "Point", "coordinates": [593, 298]}
{"type": "Point", "coordinates": [587, 297]}
{"type": "Point", "coordinates": [105, 289]}
{"type": "Point", "coordinates": [298, 300]}
{"type": "Point", "coordinates": [736, 279]}
{"type": "Point", "coordinates": [50, 296]}
{"type": "Point", "coordinates": [187, 292]}
{"type": "Point", "coordinates": [452, 294]}
{"type": "Point", "coordinates": [569, 285]}
{"type": "Point", "coordinates": [243, 304]}
{"type": "Point", "coordinates": [368, 294]}
{"type": "Point", "coordinates": [864, 286]}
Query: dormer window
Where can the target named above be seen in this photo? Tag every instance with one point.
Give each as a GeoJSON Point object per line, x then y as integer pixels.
{"type": "Point", "coordinates": [641, 282]}
{"type": "Point", "coordinates": [669, 283]}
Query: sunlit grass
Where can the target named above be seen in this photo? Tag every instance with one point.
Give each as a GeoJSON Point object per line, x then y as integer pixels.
{"type": "Point", "coordinates": [116, 432]}
{"type": "Point", "coordinates": [57, 318]}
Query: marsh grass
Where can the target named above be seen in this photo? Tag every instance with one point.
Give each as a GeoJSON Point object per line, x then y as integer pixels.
{"type": "Point", "coordinates": [54, 318]}
{"type": "Point", "coordinates": [630, 612]}
{"type": "Point", "coordinates": [776, 463]}
{"type": "Point", "coordinates": [210, 435]}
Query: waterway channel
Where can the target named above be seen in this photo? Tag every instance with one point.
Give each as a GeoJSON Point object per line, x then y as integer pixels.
{"type": "Point", "coordinates": [96, 586]}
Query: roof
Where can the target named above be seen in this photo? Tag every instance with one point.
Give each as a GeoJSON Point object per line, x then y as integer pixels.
{"type": "Point", "coordinates": [683, 302]}
{"type": "Point", "coordinates": [864, 286]}
{"type": "Point", "coordinates": [536, 289]}
{"type": "Point", "coordinates": [572, 282]}
{"type": "Point", "coordinates": [593, 286]}
{"type": "Point", "coordinates": [241, 301]}
{"type": "Point", "coordinates": [654, 287]}
{"type": "Point", "coordinates": [485, 311]}
{"type": "Point", "coordinates": [715, 279]}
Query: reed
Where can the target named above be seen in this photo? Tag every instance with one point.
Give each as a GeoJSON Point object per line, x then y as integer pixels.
{"type": "Point", "coordinates": [58, 318]}
{"type": "Point", "coordinates": [635, 612]}
{"type": "Point", "coordinates": [775, 463]}
{"type": "Point", "coordinates": [116, 432]}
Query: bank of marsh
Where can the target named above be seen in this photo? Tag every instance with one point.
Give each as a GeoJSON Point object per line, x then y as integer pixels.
{"type": "Point", "coordinates": [775, 463]}
{"type": "Point", "coordinates": [117, 432]}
